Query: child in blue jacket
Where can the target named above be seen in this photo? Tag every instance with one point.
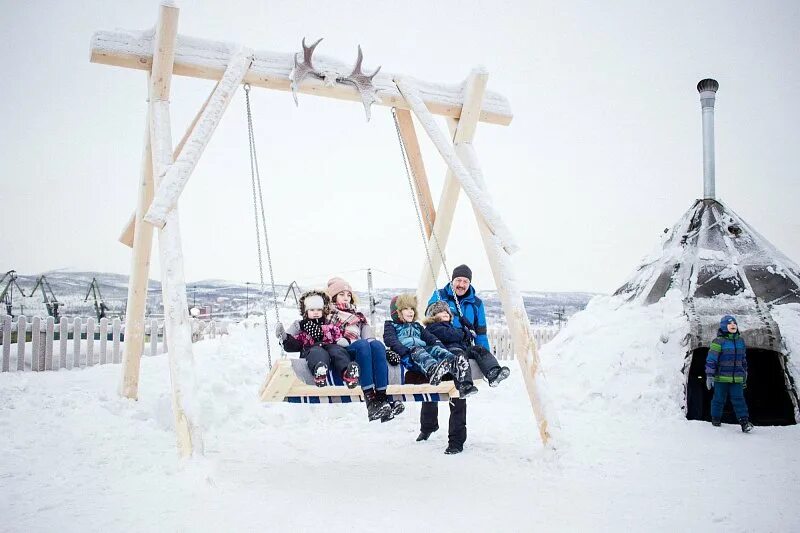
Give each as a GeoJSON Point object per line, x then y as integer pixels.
{"type": "Point", "coordinates": [726, 372]}
{"type": "Point", "coordinates": [420, 350]}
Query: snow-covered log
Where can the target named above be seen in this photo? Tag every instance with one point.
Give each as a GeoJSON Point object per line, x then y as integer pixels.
{"type": "Point", "coordinates": [448, 153]}
{"type": "Point", "coordinates": [462, 130]}
{"type": "Point", "coordinates": [176, 318]}
{"type": "Point", "coordinates": [203, 58]}
{"type": "Point", "coordinates": [178, 173]}
{"type": "Point", "coordinates": [514, 309]}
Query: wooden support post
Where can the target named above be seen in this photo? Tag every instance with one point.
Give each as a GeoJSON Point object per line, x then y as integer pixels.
{"type": "Point", "coordinates": [464, 132]}
{"type": "Point", "coordinates": [126, 237]}
{"type": "Point", "coordinates": [513, 306]}
{"type": "Point", "coordinates": [417, 165]}
{"type": "Point", "coordinates": [178, 173]}
{"type": "Point", "coordinates": [140, 274]}
{"type": "Point", "coordinates": [446, 150]}
{"type": "Point", "coordinates": [173, 286]}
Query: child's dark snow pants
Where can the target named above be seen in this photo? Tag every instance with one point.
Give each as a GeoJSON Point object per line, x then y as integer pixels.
{"type": "Point", "coordinates": [333, 355]}
{"type": "Point", "coordinates": [486, 361]}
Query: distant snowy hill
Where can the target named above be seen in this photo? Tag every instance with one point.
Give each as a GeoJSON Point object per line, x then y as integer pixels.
{"type": "Point", "coordinates": [232, 299]}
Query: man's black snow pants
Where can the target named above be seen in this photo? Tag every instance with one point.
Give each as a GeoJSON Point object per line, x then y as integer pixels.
{"type": "Point", "coordinates": [457, 428]}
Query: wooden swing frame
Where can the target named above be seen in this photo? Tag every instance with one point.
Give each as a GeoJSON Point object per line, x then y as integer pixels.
{"type": "Point", "coordinates": [164, 173]}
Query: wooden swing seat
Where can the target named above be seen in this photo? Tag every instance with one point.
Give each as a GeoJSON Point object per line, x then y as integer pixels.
{"type": "Point", "coordinates": [290, 381]}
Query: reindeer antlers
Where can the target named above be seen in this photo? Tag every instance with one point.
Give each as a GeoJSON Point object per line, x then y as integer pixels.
{"type": "Point", "coordinates": [362, 82]}
{"type": "Point", "coordinates": [301, 70]}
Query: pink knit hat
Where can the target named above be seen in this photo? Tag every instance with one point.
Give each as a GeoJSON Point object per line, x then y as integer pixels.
{"type": "Point", "coordinates": [337, 285]}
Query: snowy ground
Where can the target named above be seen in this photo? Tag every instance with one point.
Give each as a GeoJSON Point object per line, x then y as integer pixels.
{"type": "Point", "coordinates": [75, 457]}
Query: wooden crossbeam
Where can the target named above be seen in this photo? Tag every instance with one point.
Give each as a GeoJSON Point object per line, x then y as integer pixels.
{"type": "Point", "coordinates": [203, 58]}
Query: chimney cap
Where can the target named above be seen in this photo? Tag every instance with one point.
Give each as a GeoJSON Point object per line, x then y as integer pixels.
{"type": "Point", "coordinates": [707, 85]}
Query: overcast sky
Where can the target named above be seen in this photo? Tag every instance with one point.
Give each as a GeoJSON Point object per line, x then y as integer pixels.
{"type": "Point", "coordinates": [604, 152]}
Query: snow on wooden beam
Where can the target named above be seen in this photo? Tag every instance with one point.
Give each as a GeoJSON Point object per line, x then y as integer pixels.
{"type": "Point", "coordinates": [178, 173]}
{"type": "Point", "coordinates": [202, 58]}
{"type": "Point", "coordinates": [448, 153]}
{"type": "Point", "coordinates": [127, 234]}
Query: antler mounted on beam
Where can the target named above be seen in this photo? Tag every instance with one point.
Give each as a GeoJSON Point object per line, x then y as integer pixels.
{"type": "Point", "coordinates": [201, 58]}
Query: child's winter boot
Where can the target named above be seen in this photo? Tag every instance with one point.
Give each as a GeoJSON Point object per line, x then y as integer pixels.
{"type": "Point", "coordinates": [466, 389]}
{"type": "Point", "coordinates": [747, 427]}
{"type": "Point", "coordinates": [437, 371]}
{"type": "Point", "coordinates": [716, 422]}
{"type": "Point", "coordinates": [351, 375]}
{"type": "Point", "coordinates": [320, 374]}
{"type": "Point", "coordinates": [375, 407]}
{"type": "Point", "coordinates": [395, 406]}
{"type": "Point", "coordinates": [497, 374]}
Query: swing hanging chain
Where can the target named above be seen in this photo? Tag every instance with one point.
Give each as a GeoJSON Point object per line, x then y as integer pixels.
{"type": "Point", "coordinates": [255, 178]}
{"type": "Point", "coordinates": [426, 209]}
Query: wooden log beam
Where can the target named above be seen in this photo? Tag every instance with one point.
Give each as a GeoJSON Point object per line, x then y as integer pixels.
{"type": "Point", "coordinates": [202, 58]}
{"type": "Point", "coordinates": [513, 307]}
{"type": "Point", "coordinates": [142, 244]}
{"type": "Point", "coordinates": [409, 135]}
{"type": "Point", "coordinates": [178, 173]}
{"type": "Point", "coordinates": [476, 196]}
{"type": "Point", "coordinates": [461, 130]}
{"type": "Point", "coordinates": [126, 237]}
{"type": "Point", "coordinates": [176, 315]}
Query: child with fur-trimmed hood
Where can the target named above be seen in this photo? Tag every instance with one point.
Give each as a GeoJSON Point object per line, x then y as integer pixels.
{"type": "Point", "coordinates": [439, 321]}
{"type": "Point", "coordinates": [319, 342]}
{"type": "Point", "coordinates": [420, 350]}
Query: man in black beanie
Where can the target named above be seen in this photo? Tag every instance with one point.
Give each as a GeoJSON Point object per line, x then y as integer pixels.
{"type": "Point", "coordinates": [469, 314]}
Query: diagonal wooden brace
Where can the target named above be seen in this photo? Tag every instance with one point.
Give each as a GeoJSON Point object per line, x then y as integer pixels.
{"type": "Point", "coordinates": [448, 153]}
{"type": "Point", "coordinates": [177, 175]}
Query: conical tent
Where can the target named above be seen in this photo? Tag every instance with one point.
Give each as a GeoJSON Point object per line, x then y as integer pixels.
{"type": "Point", "coordinates": [721, 265]}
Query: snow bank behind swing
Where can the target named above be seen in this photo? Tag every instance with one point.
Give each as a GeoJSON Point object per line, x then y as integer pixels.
{"type": "Point", "coordinates": [621, 359]}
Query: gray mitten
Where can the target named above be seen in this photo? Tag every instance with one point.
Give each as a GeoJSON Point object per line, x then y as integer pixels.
{"type": "Point", "coordinates": [280, 331]}
{"type": "Point", "coordinates": [343, 342]}
{"type": "Point", "coordinates": [709, 382]}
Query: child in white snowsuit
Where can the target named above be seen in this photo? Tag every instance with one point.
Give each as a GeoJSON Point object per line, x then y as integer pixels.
{"type": "Point", "coordinates": [319, 342]}
{"type": "Point", "coordinates": [369, 353]}
{"type": "Point", "coordinates": [421, 351]}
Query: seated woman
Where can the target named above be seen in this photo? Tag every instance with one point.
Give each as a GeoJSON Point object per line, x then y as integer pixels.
{"type": "Point", "coordinates": [369, 353]}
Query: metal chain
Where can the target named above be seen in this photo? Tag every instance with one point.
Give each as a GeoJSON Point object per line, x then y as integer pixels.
{"type": "Point", "coordinates": [426, 210]}
{"type": "Point", "coordinates": [255, 178]}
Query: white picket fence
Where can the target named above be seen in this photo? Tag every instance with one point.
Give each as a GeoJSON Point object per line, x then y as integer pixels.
{"type": "Point", "coordinates": [500, 340]}
{"type": "Point", "coordinates": [71, 343]}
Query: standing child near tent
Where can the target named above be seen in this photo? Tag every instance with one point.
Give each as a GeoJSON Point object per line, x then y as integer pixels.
{"type": "Point", "coordinates": [439, 322]}
{"type": "Point", "coordinates": [369, 353]}
{"type": "Point", "coordinates": [420, 350]}
{"type": "Point", "coordinates": [319, 342]}
{"type": "Point", "coordinates": [726, 372]}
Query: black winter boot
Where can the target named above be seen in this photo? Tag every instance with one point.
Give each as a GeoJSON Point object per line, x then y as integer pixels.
{"type": "Point", "coordinates": [395, 407]}
{"type": "Point", "coordinates": [466, 389]}
{"type": "Point", "coordinates": [436, 372]}
{"type": "Point", "coordinates": [497, 374]}
{"type": "Point", "coordinates": [747, 427]}
{"type": "Point", "coordinates": [375, 408]}
{"type": "Point", "coordinates": [452, 449]}
{"type": "Point", "coordinates": [423, 435]}
{"type": "Point", "coordinates": [716, 422]}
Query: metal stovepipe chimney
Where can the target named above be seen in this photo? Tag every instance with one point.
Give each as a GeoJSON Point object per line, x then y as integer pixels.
{"type": "Point", "coordinates": [708, 93]}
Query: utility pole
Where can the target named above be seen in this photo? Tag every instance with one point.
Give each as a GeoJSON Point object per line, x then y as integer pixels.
{"type": "Point", "coordinates": [560, 314]}
{"type": "Point", "coordinates": [247, 299]}
{"type": "Point", "coordinates": [372, 301]}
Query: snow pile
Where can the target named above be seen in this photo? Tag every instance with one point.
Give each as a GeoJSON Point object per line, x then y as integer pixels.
{"type": "Point", "coordinates": [788, 318]}
{"type": "Point", "coordinates": [76, 457]}
{"type": "Point", "coordinates": [621, 359]}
